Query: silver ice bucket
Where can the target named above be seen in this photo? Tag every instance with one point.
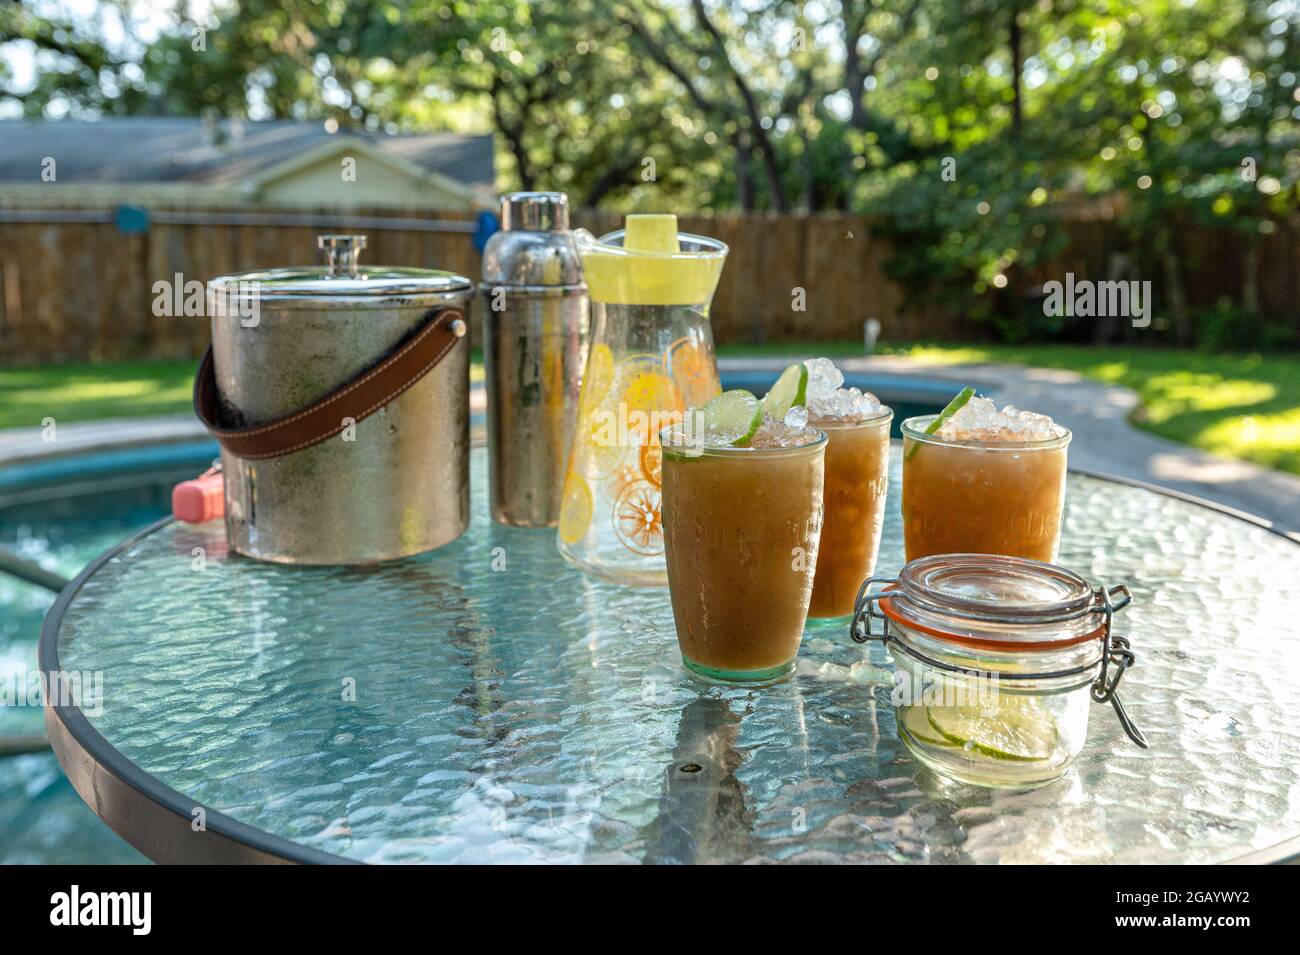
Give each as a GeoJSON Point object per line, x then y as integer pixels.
{"type": "Point", "coordinates": [340, 397]}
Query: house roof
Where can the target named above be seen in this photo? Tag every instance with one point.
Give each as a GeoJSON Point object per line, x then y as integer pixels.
{"type": "Point", "coordinates": [187, 149]}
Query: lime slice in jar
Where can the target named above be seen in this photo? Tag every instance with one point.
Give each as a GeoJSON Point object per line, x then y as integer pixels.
{"type": "Point", "coordinates": [790, 389]}
{"type": "Point", "coordinates": [733, 413]}
{"type": "Point", "coordinates": [950, 409]}
{"type": "Point", "coordinates": [915, 721]}
{"type": "Point", "coordinates": [1016, 728]}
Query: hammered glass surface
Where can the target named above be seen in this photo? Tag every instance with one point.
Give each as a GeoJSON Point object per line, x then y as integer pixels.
{"type": "Point", "coordinates": [489, 703]}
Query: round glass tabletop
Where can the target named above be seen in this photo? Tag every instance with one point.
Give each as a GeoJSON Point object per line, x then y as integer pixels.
{"type": "Point", "coordinates": [489, 703]}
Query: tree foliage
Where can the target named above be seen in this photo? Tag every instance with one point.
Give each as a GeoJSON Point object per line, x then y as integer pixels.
{"type": "Point", "coordinates": [963, 125]}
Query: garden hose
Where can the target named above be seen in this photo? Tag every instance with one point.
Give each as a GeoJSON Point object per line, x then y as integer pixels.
{"type": "Point", "coordinates": [21, 744]}
{"type": "Point", "coordinates": [30, 571]}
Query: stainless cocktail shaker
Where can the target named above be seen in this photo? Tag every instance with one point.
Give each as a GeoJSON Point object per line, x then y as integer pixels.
{"type": "Point", "coordinates": [535, 324]}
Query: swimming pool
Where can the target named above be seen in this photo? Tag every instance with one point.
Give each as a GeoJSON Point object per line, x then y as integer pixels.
{"type": "Point", "coordinates": [61, 513]}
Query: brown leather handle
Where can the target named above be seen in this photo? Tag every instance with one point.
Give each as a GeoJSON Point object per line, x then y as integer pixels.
{"type": "Point", "coordinates": [355, 400]}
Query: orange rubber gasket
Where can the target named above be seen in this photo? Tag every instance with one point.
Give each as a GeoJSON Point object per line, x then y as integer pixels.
{"type": "Point", "coordinates": [981, 643]}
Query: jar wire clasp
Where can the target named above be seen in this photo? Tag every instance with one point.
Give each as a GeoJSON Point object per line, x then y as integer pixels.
{"type": "Point", "coordinates": [865, 610]}
{"type": "Point", "coordinates": [1116, 652]}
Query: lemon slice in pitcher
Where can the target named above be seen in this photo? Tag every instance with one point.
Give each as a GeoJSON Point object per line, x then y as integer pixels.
{"type": "Point", "coordinates": [575, 510]}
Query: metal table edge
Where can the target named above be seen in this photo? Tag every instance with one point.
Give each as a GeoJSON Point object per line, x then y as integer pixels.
{"type": "Point", "coordinates": [91, 762]}
{"type": "Point", "coordinates": [154, 818]}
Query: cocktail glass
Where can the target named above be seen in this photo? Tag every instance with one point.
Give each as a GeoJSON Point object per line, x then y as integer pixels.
{"type": "Point", "coordinates": [982, 497]}
{"type": "Point", "coordinates": [857, 475]}
{"type": "Point", "coordinates": [741, 529]}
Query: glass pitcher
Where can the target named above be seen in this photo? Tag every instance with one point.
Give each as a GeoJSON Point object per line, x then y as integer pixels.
{"type": "Point", "coordinates": [651, 358]}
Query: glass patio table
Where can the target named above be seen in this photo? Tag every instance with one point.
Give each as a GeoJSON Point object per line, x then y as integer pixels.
{"type": "Point", "coordinates": [489, 703]}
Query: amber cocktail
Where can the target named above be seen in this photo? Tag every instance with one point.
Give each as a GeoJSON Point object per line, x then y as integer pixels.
{"type": "Point", "coordinates": [857, 474]}
{"type": "Point", "coordinates": [982, 492]}
{"type": "Point", "coordinates": [741, 531]}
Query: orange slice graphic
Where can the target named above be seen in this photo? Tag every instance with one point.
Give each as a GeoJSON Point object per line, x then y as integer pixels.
{"type": "Point", "coordinates": [652, 463]}
{"type": "Point", "coordinates": [597, 451]}
{"type": "Point", "coordinates": [693, 370]}
{"type": "Point", "coordinates": [625, 474]}
{"type": "Point", "coordinates": [637, 520]}
{"type": "Point", "coordinates": [650, 391]}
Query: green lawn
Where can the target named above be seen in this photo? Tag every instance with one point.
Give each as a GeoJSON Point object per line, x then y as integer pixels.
{"type": "Point", "coordinates": [86, 392]}
{"type": "Point", "coordinates": [93, 392]}
{"type": "Point", "coordinates": [1244, 406]}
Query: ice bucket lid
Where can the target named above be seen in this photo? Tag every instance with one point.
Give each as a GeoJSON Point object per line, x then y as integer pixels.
{"type": "Point", "coordinates": [342, 281]}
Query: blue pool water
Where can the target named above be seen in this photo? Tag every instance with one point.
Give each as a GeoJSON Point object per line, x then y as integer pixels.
{"type": "Point", "coordinates": [62, 513]}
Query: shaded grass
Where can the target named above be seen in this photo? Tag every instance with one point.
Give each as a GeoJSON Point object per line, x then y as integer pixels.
{"type": "Point", "coordinates": [93, 392]}
{"type": "Point", "coordinates": [1243, 406]}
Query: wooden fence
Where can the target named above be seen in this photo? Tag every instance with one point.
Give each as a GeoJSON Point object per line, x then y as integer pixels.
{"type": "Point", "coordinates": [78, 288]}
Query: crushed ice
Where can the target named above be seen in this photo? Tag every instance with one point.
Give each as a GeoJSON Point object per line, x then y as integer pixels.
{"type": "Point", "coordinates": [790, 433]}
{"type": "Point", "coordinates": [692, 437]}
{"type": "Point", "coordinates": [981, 420]}
{"type": "Point", "coordinates": [828, 400]}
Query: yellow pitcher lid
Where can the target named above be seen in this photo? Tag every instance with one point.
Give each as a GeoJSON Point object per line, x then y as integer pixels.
{"type": "Point", "coordinates": [650, 263]}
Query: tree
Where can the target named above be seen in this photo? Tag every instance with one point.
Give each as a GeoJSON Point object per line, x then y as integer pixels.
{"type": "Point", "coordinates": [962, 126]}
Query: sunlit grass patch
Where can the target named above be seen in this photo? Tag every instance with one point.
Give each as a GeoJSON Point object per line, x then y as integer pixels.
{"type": "Point", "coordinates": [1241, 406]}
{"type": "Point", "coordinates": [1270, 439]}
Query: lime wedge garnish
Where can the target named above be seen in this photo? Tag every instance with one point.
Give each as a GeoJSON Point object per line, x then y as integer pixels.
{"type": "Point", "coordinates": [1016, 727]}
{"type": "Point", "coordinates": [915, 721]}
{"type": "Point", "coordinates": [790, 389]}
{"type": "Point", "coordinates": [950, 409]}
{"type": "Point", "coordinates": [733, 412]}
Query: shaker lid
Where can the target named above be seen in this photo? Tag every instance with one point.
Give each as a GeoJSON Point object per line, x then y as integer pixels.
{"type": "Point", "coordinates": [535, 211]}
{"type": "Point", "coordinates": [534, 253]}
{"type": "Point", "coordinates": [342, 278]}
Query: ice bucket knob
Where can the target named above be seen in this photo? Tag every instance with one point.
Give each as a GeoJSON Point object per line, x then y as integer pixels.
{"type": "Point", "coordinates": [342, 252]}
